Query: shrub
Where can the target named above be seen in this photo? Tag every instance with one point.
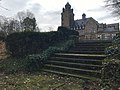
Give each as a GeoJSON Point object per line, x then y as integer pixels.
{"type": "Point", "coordinates": [12, 65]}
{"type": "Point", "coordinates": [111, 74]}
{"type": "Point", "coordinates": [110, 79]}
{"type": "Point", "coordinates": [114, 50]}
{"type": "Point", "coordinates": [33, 63]}
{"type": "Point", "coordinates": [111, 65]}
{"type": "Point", "coordinates": [66, 33]}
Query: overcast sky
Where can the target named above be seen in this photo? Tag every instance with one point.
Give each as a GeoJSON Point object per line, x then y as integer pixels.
{"type": "Point", "coordinates": [48, 12]}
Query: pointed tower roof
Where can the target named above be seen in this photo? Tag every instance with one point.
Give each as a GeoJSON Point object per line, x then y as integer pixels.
{"type": "Point", "coordinates": [67, 6]}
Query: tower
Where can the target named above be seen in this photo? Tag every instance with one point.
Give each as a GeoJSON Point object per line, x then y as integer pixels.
{"type": "Point", "coordinates": [83, 16]}
{"type": "Point", "coordinates": [67, 16]}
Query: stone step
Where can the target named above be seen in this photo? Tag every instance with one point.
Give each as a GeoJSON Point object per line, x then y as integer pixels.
{"type": "Point", "coordinates": [84, 60]}
{"type": "Point", "coordinates": [71, 70]}
{"type": "Point", "coordinates": [80, 56]}
{"type": "Point", "coordinates": [84, 52]}
{"type": "Point", "coordinates": [88, 48]}
{"type": "Point", "coordinates": [76, 60]}
{"type": "Point", "coordinates": [95, 41]}
{"type": "Point", "coordinates": [92, 44]}
{"type": "Point", "coordinates": [71, 75]}
{"type": "Point", "coordinates": [75, 65]}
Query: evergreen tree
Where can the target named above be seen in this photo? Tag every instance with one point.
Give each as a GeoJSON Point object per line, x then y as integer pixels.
{"type": "Point", "coordinates": [29, 24]}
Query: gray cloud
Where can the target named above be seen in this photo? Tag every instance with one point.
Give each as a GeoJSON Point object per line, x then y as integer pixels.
{"type": "Point", "coordinates": [34, 7]}
{"type": "Point", "coordinates": [98, 9]}
{"type": "Point", "coordinates": [108, 16]}
{"type": "Point", "coordinates": [14, 4]}
{"type": "Point", "coordinates": [49, 17]}
{"type": "Point", "coordinates": [13, 7]}
{"type": "Point", "coordinates": [53, 13]}
{"type": "Point", "coordinates": [53, 16]}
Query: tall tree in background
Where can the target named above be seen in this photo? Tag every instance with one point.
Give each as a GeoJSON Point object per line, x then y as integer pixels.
{"type": "Point", "coordinates": [13, 26]}
{"type": "Point", "coordinates": [29, 24]}
{"type": "Point", "coordinates": [9, 25]}
{"type": "Point", "coordinates": [4, 25]}
{"type": "Point", "coordinates": [27, 20]}
{"type": "Point", "coordinates": [115, 6]}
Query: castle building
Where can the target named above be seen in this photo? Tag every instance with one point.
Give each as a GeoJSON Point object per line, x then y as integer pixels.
{"type": "Point", "coordinates": [88, 28]}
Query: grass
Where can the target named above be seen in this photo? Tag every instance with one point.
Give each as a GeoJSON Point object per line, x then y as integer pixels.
{"type": "Point", "coordinates": [12, 65]}
{"type": "Point", "coordinates": [12, 77]}
{"type": "Point", "coordinates": [39, 81]}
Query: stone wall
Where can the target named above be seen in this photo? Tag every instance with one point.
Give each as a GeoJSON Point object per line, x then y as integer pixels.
{"type": "Point", "coordinates": [3, 52]}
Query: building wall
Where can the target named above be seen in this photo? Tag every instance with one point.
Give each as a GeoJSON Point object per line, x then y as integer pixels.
{"type": "Point", "coordinates": [107, 31]}
{"type": "Point", "coordinates": [91, 29]}
{"type": "Point", "coordinates": [81, 34]}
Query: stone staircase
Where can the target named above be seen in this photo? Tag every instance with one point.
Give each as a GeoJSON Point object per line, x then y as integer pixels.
{"type": "Point", "coordinates": [82, 61]}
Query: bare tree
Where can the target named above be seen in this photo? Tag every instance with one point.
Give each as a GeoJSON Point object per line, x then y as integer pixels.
{"type": "Point", "coordinates": [24, 14]}
{"type": "Point", "coordinates": [4, 24]}
{"type": "Point", "coordinates": [21, 16]}
{"type": "Point", "coordinates": [13, 26]}
{"type": "Point", "coordinates": [9, 25]}
{"type": "Point", "coordinates": [114, 6]}
{"type": "Point", "coordinates": [24, 21]}
{"type": "Point", "coordinates": [3, 7]}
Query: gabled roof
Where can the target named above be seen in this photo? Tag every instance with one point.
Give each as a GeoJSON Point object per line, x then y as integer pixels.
{"type": "Point", "coordinates": [81, 23]}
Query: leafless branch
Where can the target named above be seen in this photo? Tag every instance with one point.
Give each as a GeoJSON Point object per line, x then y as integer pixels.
{"type": "Point", "coordinates": [4, 8]}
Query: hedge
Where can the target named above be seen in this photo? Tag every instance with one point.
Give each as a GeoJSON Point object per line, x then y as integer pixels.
{"type": "Point", "coordinates": [21, 44]}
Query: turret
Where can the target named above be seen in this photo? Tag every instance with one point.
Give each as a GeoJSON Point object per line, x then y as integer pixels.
{"type": "Point", "coordinates": [67, 16]}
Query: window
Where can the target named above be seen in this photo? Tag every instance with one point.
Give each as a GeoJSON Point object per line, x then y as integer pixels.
{"type": "Point", "coordinates": [113, 35]}
{"type": "Point", "coordinates": [107, 36]}
{"type": "Point", "coordinates": [99, 36]}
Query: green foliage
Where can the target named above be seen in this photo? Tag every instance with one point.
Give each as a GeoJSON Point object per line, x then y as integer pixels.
{"type": "Point", "coordinates": [111, 74]}
{"type": "Point", "coordinates": [111, 66]}
{"type": "Point", "coordinates": [36, 61]}
{"type": "Point", "coordinates": [114, 50]}
{"type": "Point", "coordinates": [26, 43]}
{"type": "Point", "coordinates": [12, 65]}
{"type": "Point", "coordinates": [2, 35]}
{"type": "Point", "coordinates": [29, 24]}
{"type": "Point", "coordinates": [37, 47]}
{"type": "Point", "coordinates": [67, 32]}
{"type": "Point", "coordinates": [33, 63]}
